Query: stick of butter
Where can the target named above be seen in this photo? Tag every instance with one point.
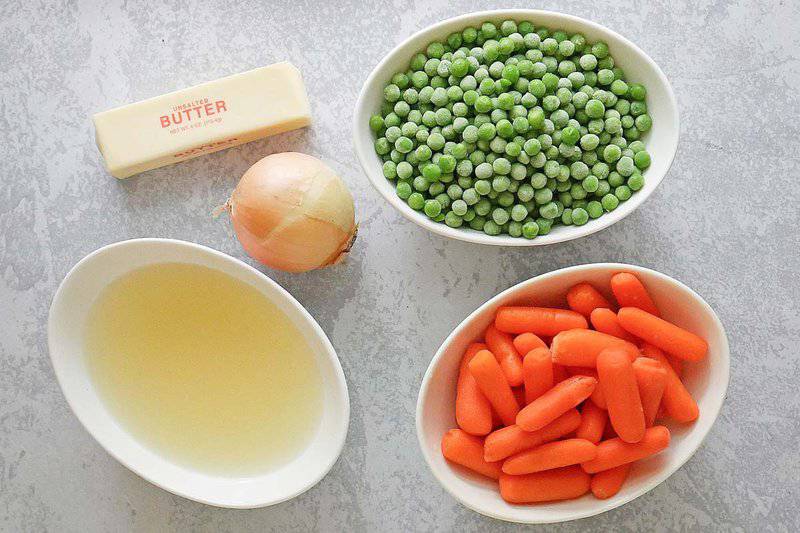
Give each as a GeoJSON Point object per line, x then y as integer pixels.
{"type": "Point", "coordinates": [203, 119]}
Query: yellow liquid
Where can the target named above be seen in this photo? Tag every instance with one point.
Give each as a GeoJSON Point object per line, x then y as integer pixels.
{"type": "Point", "coordinates": [202, 369]}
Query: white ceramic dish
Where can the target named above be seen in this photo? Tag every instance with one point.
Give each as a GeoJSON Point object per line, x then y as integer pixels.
{"type": "Point", "coordinates": [66, 323]}
{"type": "Point", "coordinates": [662, 140]}
{"type": "Point", "coordinates": [706, 380]}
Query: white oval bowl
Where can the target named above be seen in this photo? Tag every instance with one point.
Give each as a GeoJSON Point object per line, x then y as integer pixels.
{"type": "Point", "coordinates": [68, 314]}
{"type": "Point", "coordinates": [706, 380]}
{"type": "Point", "coordinates": [661, 140]}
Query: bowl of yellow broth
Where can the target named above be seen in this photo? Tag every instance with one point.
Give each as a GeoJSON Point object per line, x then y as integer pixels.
{"type": "Point", "coordinates": [198, 372]}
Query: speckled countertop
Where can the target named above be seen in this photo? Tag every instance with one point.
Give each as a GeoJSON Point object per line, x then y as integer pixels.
{"type": "Point", "coordinates": [724, 221]}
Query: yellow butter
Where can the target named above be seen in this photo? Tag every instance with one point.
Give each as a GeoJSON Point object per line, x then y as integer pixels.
{"type": "Point", "coordinates": [203, 119]}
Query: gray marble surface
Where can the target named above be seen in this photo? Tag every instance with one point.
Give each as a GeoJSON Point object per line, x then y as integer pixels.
{"type": "Point", "coordinates": [724, 221]}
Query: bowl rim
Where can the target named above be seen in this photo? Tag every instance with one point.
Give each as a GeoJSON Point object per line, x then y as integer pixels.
{"type": "Point", "coordinates": [602, 505]}
{"type": "Point", "coordinates": [339, 383]}
{"type": "Point", "coordinates": [364, 151]}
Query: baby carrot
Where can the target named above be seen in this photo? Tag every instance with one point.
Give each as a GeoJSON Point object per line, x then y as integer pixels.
{"type": "Point", "coordinates": [526, 342]}
{"type": "Point", "coordinates": [492, 383]}
{"type": "Point", "coordinates": [593, 422]}
{"type": "Point", "coordinates": [605, 321]}
{"type": "Point", "coordinates": [615, 452]}
{"type": "Point", "coordinates": [597, 396]}
{"type": "Point", "coordinates": [467, 450]}
{"type": "Point", "coordinates": [519, 395]}
{"type": "Point", "coordinates": [502, 346]}
{"type": "Point", "coordinates": [539, 320]}
{"type": "Point", "coordinates": [607, 483]}
{"type": "Point", "coordinates": [553, 403]}
{"type": "Point", "coordinates": [537, 373]}
{"type": "Point", "coordinates": [677, 401]}
{"type": "Point", "coordinates": [583, 298]}
{"type": "Point", "coordinates": [559, 373]}
{"type": "Point", "coordinates": [651, 377]}
{"type": "Point", "coordinates": [510, 440]}
{"type": "Point", "coordinates": [473, 410]}
{"type": "Point", "coordinates": [662, 334]}
{"type": "Point", "coordinates": [580, 347]}
{"type": "Point", "coordinates": [618, 381]}
{"type": "Point", "coordinates": [551, 485]}
{"type": "Point", "coordinates": [551, 455]}
{"type": "Point", "coordinates": [630, 292]}
{"type": "Point", "coordinates": [676, 363]}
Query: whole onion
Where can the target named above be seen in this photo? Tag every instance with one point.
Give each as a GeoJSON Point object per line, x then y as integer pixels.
{"type": "Point", "coordinates": [292, 212]}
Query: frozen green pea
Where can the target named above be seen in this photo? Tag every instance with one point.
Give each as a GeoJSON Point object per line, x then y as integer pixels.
{"type": "Point", "coordinates": [590, 183]}
{"type": "Point", "coordinates": [459, 207]}
{"type": "Point", "coordinates": [416, 201]}
{"type": "Point", "coordinates": [545, 225]}
{"type": "Point", "coordinates": [643, 122]}
{"type": "Point", "coordinates": [625, 166]}
{"type": "Point", "coordinates": [594, 208]}
{"type": "Point", "coordinates": [500, 183]}
{"type": "Point", "coordinates": [603, 188]}
{"type": "Point", "coordinates": [530, 230]}
{"type": "Point", "coordinates": [382, 146]}
{"type": "Point", "coordinates": [453, 220]}
{"type": "Point", "coordinates": [636, 182]}
{"type": "Point", "coordinates": [491, 228]}
{"type": "Point", "coordinates": [641, 159]}
{"type": "Point", "coordinates": [436, 141]}
{"type": "Point", "coordinates": [622, 193]}
{"type": "Point", "coordinates": [404, 189]}
{"type": "Point", "coordinates": [506, 198]}
{"type": "Point", "coordinates": [611, 153]}
{"type": "Point", "coordinates": [432, 208]}
{"type": "Point", "coordinates": [390, 170]}
{"type": "Point", "coordinates": [637, 92]}
{"type": "Point", "coordinates": [500, 216]}
{"type": "Point", "coordinates": [590, 141]}
{"type": "Point", "coordinates": [436, 188]}
{"type": "Point", "coordinates": [483, 207]}
{"type": "Point", "coordinates": [595, 108]}
{"type": "Point", "coordinates": [580, 216]}
{"type": "Point", "coordinates": [609, 202]}
{"type": "Point", "coordinates": [376, 123]}
{"type": "Point", "coordinates": [464, 168]}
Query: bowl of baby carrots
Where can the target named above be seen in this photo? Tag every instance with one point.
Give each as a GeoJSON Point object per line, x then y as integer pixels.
{"type": "Point", "coordinates": [572, 393]}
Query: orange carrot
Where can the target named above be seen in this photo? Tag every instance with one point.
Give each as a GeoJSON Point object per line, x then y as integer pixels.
{"type": "Point", "coordinates": [510, 440]}
{"type": "Point", "coordinates": [492, 383]}
{"type": "Point", "coordinates": [551, 455]}
{"type": "Point", "coordinates": [605, 321]}
{"type": "Point", "coordinates": [607, 483]}
{"type": "Point", "coordinates": [615, 452]}
{"type": "Point", "coordinates": [597, 396]}
{"type": "Point", "coordinates": [651, 378]}
{"type": "Point", "coordinates": [519, 395]}
{"type": "Point", "coordinates": [551, 485]}
{"type": "Point", "coordinates": [539, 320]}
{"type": "Point", "coordinates": [537, 373]}
{"type": "Point", "coordinates": [555, 402]}
{"type": "Point", "coordinates": [593, 422]}
{"type": "Point", "coordinates": [583, 298]}
{"type": "Point", "coordinates": [502, 346]}
{"type": "Point", "coordinates": [580, 347]}
{"type": "Point", "coordinates": [467, 450]}
{"type": "Point", "coordinates": [676, 363]}
{"type": "Point", "coordinates": [630, 292]}
{"type": "Point", "coordinates": [473, 410]}
{"type": "Point", "coordinates": [526, 342]}
{"type": "Point", "coordinates": [677, 401]}
{"type": "Point", "coordinates": [559, 373]}
{"type": "Point", "coordinates": [662, 334]}
{"type": "Point", "coordinates": [618, 381]}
